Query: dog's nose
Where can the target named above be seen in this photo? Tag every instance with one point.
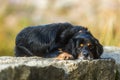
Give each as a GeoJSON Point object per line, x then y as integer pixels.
{"type": "Point", "coordinates": [85, 53]}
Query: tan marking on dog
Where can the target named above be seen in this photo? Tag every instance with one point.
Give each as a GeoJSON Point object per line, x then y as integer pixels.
{"type": "Point", "coordinates": [64, 56]}
{"type": "Point", "coordinates": [81, 45]}
{"type": "Point", "coordinates": [80, 31]}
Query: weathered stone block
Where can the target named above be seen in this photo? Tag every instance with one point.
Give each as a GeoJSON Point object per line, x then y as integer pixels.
{"type": "Point", "coordinates": [114, 53]}
{"type": "Point", "coordinates": [36, 68]}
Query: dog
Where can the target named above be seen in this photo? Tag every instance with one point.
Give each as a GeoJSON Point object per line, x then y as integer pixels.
{"type": "Point", "coordinates": [58, 40]}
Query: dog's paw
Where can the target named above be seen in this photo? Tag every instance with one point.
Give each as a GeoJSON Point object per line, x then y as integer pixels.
{"type": "Point", "coordinates": [64, 56]}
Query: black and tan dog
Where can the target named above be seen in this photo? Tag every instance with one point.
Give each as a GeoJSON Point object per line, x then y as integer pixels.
{"type": "Point", "coordinates": [60, 40]}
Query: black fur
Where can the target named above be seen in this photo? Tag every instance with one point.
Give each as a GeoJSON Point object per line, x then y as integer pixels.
{"type": "Point", "coordinates": [46, 40]}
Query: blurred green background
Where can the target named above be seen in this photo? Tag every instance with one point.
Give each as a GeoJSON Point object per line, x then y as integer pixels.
{"type": "Point", "coordinates": [102, 17]}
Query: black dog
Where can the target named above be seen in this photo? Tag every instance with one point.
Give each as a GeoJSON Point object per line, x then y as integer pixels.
{"type": "Point", "coordinates": [61, 40]}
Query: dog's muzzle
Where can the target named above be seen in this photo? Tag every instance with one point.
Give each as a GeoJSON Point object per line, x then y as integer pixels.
{"type": "Point", "coordinates": [85, 55]}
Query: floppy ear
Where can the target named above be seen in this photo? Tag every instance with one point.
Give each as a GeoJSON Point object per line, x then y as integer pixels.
{"type": "Point", "coordinates": [99, 48]}
{"type": "Point", "coordinates": [71, 47]}
{"type": "Point", "coordinates": [68, 34]}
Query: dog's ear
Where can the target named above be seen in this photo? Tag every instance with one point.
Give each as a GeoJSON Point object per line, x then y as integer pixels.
{"type": "Point", "coordinates": [71, 47]}
{"type": "Point", "coordinates": [67, 35]}
{"type": "Point", "coordinates": [99, 48]}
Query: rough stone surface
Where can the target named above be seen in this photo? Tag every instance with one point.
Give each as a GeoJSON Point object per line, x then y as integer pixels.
{"type": "Point", "coordinates": [35, 68]}
{"type": "Point", "coordinates": [113, 52]}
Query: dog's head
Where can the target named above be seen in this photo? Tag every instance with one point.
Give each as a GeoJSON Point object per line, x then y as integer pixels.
{"type": "Point", "coordinates": [84, 46]}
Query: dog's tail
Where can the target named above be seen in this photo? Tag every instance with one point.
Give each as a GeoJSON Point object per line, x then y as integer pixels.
{"type": "Point", "coordinates": [21, 51]}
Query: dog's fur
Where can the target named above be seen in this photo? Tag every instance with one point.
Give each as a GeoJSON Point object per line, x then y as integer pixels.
{"type": "Point", "coordinates": [52, 40]}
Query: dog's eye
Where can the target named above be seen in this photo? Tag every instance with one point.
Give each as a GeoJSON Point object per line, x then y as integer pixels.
{"type": "Point", "coordinates": [89, 44]}
{"type": "Point", "coordinates": [81, 45]}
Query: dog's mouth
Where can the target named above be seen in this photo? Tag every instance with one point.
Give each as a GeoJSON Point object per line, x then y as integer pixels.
{"type": "Point", "coordinates": [82, 57]}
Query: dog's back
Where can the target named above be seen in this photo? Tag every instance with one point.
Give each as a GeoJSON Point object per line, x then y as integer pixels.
{"type": "Point", "coordinates": [39, 40]}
